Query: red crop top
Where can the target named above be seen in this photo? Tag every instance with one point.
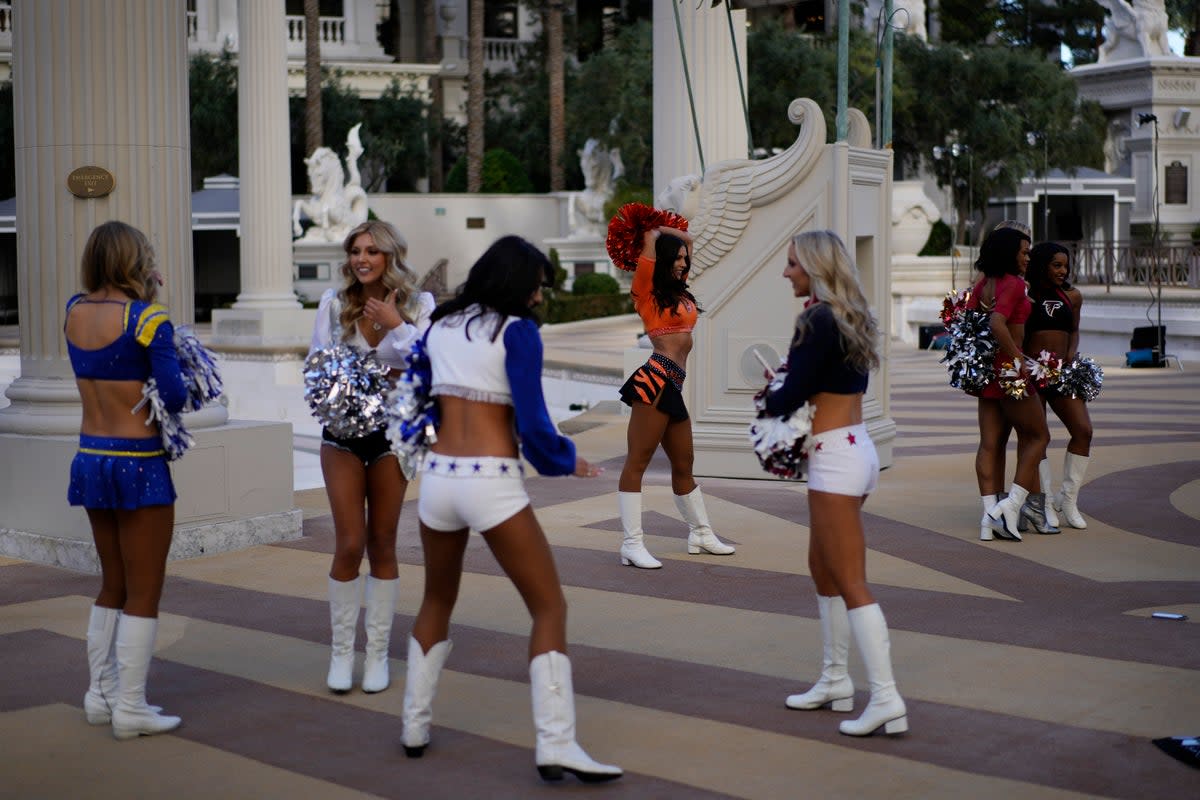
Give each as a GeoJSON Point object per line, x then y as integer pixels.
{"type": "Point", "coordinates": [657, 322]}
{"type": "Point", "coordinates": [1010, 300]}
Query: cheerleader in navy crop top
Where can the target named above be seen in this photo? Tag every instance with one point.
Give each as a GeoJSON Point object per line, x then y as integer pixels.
{"type": "Point", "coordinates": [486, 359]}
{"type": "Point", "coordinates": [834, 347]}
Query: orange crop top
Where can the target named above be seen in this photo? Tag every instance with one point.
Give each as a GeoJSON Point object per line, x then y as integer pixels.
{"type": "Point", "coordinates": [657, 322]}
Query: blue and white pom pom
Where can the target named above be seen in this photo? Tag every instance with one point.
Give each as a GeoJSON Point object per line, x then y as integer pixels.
{"type": "Point", "coordinates": [1081, 378]}
{"type": "Point", "coordinates": [346, 390]}
{"type": "Point", "coordinates": [175, 438]}
{"type": "Point", "coordinates": [198, 365]}
{"type": "Point", "coordinates": [412, 412]}
{"type": "Point", "coordinates": [780, 442]}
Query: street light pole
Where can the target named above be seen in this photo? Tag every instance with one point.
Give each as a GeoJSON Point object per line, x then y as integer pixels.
{"type": "Point", "coordinates": [1032, 137]}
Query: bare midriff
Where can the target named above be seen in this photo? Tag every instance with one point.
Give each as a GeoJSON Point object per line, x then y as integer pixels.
{"type": "Point", "coordinates": [106, 407]}
{"type": "Point", "coordinates": [835, 411]}
{"type": "Point", "coordinates": [1057, 342]}
{"type": "Point", "coordinates": [675, 346]}
{"type": "Point", "coordinates": [473, 428]}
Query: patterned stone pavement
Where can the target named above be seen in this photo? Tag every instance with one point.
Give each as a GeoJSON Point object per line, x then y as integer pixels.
{"type": "Point", "coordinates": [1030, 669]}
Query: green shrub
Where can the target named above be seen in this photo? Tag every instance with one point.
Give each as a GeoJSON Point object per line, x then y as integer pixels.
{"type": "Point", "coordinates": [627, 193]}
{"type": "Point", "coordinates": [569, 308]}
{"type": "Point", "coordinates": [502, 174]}
{"type": "Point", "coordinates": [560, 274]}
{"type": "Point", "coordinates": [595, 283]}
{"type": "Point", "coordinates": [938, 243]}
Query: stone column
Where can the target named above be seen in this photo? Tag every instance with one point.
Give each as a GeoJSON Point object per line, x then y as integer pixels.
{"type": "Point", "coordinates": [714, 76]}
{"type": "Point", "coordinates": [118, 72]}
{"type": "Point", "coordinates": [104, 83]}
{"type": "Point", "coordinates": [266, 311]}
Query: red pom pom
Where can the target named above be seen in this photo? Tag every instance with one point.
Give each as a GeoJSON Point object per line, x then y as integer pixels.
{"type": "Point", "coordinates": [627, 229]}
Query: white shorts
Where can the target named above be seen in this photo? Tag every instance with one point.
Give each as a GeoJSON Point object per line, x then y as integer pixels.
{"type": "Point", "coordinates": [476, 492]}
{"type": "Point", "coordinates": [843, 461]}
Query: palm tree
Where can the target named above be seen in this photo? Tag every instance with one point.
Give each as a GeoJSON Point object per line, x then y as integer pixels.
{"type": "Point", "coordinates": [430, 55]}
{"type": "Point", "coordinates": [312, 76]}
{"type": "Point", "coordinates": [552, 20]}
{"type": "Point", "coordinates": [475, 96]}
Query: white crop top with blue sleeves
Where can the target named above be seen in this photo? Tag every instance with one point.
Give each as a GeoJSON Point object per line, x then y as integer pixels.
{"type": "Point", "coordinates": [468, 362]}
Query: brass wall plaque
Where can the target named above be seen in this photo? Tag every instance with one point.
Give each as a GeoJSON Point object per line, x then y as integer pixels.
{"type": "Point", "coordinates": [90, 182]}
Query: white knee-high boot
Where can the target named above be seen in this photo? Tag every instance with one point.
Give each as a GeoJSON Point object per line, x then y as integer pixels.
{"type": "Point", "coordinates": [886, 708]}
{"type": "Point", "coordinates": [1047, 490]}
{"type": "Point", "coordinates": [345, 598]}
{"type": "Point", "coordinates": [1005, 516]}
{"type": "Point", "coordinates": [700, 533]}
{"type": "Point", "coordinates": [131, 716]}
{"type": "Point", "coordinates": [1074, 468]}
{"type": "Point", "coordinates": [989, 502]}
{"type": "Point", "coordinates": [419, 690]}
{"type": "Point", "coordinates": [381, 607]}
{"type": "Point", "coordinates": [633, 549]}
{"type": "Point", "coordinates": [834, 686]}
{"type": "Point", "coordinates": [554, 718]}
{"type": "Point", "coordinates": [102, 665]}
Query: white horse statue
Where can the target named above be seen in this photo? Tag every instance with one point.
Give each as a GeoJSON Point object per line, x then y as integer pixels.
{"type": "Point", "coordinates": [585, 210]}
{"type": "Point", "coordinates": [1134, 31]}
{"type": "Point", "coordinates": [336, 205]}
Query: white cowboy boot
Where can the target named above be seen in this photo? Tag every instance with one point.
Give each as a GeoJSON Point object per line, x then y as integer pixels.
{"type": "Point", "coordinates": [131, 716]}
{"type": "Point", "coordinates": [1047, 490]}
{"type": "Point", "coordinates": [633, 550]}
{"type": "Point", "coordinates": [700, 533]}
{"type": "Point", "coordinates": [102, 665]}
{"type": "Point", "coordinates": [419, 689]}
{"type": "Point", "coordinates": [381, 607]}
{"type": "Point", "coordinates": [989, 502]}
{"type": "Point", "coordinates": [1074, 468]}
{"type": "Point", "coordinates": [1005, 516]}
{"type": "Point", "coordinates": [554, 718]}
{"type": "Point", "coordinates": [344, 601]}
{"type": "Point", "coordinates": [834, 686]}
{"type": "Point", "coordinates": [886, 709]}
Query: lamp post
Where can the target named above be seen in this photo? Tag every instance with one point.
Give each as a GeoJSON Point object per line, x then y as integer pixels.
{"type": "Point", "coordinates": [1032, 137]}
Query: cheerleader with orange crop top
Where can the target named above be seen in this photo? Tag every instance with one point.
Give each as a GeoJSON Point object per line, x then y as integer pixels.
{"type": "Point", "coordinates": [654, 395]}
{"type": "Point", "coordinates": [118, 339]}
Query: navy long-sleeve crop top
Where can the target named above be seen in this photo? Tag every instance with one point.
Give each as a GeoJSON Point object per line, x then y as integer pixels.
{"type": "Point", "coordinates": [145, 349]}
{"type": "Point", "coordinates": [817, 364]}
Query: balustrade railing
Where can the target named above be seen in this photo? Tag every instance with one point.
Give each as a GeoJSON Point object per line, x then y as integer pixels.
{"type": "Point", "coordinates": [1135, 264]}
{"type": "Point", "coordinates": [6, 18]}
{"type": "Point", "coordinates": [333, 29]}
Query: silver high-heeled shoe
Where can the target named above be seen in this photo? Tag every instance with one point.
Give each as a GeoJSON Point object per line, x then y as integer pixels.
{"type": "Point", "coordinates": [1033, 512]}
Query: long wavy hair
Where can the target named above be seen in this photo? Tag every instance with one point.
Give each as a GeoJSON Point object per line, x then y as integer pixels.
{"type": "Point", "coordinates": [667, 290]}
{"type": "Point", "coordinates": [119, 256]}
{"type": "Point", "coordinates": [502, 281]}
{"type": "Point", "coordinates": [998, 253]}
{"type": "Point", "coordinates": [833, 280]}
{"type": "Point", "coordinates": [1038, 273]}
{"type": "Point", "coordinates": [396, 274]}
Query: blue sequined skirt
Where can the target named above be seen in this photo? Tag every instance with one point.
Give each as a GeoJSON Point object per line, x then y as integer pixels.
{"type": "Point", "coordinates": [113, 473]}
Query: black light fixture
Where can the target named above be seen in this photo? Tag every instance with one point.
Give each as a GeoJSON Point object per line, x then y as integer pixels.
{"type": "Point", "coordinates": [1146, 119]}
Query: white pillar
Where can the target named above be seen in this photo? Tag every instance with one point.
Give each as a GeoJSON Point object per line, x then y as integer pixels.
{"type": "Point", "coordinates": [101, 84]}
{"type": "Point", "coordinates": [714, 77]}
{"type": "Point", "coordinates": [266, 312]}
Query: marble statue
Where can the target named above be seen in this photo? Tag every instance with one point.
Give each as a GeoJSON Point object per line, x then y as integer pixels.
{"type": "Point", "coordinates": [336, 205]}
{"type": "Point", "coordinates": [1134, 31]}
{"type": "Point", "coordinates": [585, 210]}
{"type": "Point", "coordinates": [682, 196]}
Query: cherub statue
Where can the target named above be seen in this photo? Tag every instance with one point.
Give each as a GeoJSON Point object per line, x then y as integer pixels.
{"type": "Point", "coordinates": [601, 168]}
{"type": "Point", "coordinates": [336, 205]}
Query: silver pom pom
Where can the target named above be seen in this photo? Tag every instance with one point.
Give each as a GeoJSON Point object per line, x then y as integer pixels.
{"type": "Point", "coordinates": [345, 390]}
{"type": "Point", "coordinates": [1081, 378]}
{"type": "Point", "coordinates": [175, 438]}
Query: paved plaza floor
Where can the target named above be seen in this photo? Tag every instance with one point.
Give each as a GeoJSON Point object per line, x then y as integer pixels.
{"type": "Point", "coordinates": [1030, 669]}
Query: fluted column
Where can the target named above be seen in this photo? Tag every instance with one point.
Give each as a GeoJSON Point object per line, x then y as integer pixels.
{"type": "Point", "coordinates": [714, 77]}
{"type": "Point", "coordinates": [263, 157]}
{"type": "Point", "coordinates": [96, 83]}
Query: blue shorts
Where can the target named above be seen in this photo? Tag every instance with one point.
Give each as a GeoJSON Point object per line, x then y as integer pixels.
{"type": "Point", "coordinates": [476, 492]}
{"type": "Point", "coordinates": [114, 473]}
{"type": "Point", "coordinates": [843, 461]}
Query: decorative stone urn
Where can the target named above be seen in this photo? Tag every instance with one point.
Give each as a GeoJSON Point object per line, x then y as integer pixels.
{"type": "Point", "coordinates": [913, 215]}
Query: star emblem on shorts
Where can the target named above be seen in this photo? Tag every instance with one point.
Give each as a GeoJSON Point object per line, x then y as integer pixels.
{"type": "Point", "coordinates": [504, 468]}
{"type": "Point", "coordinates": [477, 466]}
{"type": "Point", "coordinates": [818, 447]}
{"type": "Point", "coordinates": [850, 438]}
{"type": "Point", "coordinates": [433, 464]}
{"type": "Point", "coordinates": [452, 466]}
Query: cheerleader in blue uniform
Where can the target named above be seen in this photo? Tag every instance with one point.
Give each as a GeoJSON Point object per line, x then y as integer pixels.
{"type": "Point", "coordinates": [486, 359]}
{"type": "Point", "coordinates": [117, 339]}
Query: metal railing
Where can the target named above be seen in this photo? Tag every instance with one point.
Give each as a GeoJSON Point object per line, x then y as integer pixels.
{"type": "Point", "coordinates": [1135, 264]}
